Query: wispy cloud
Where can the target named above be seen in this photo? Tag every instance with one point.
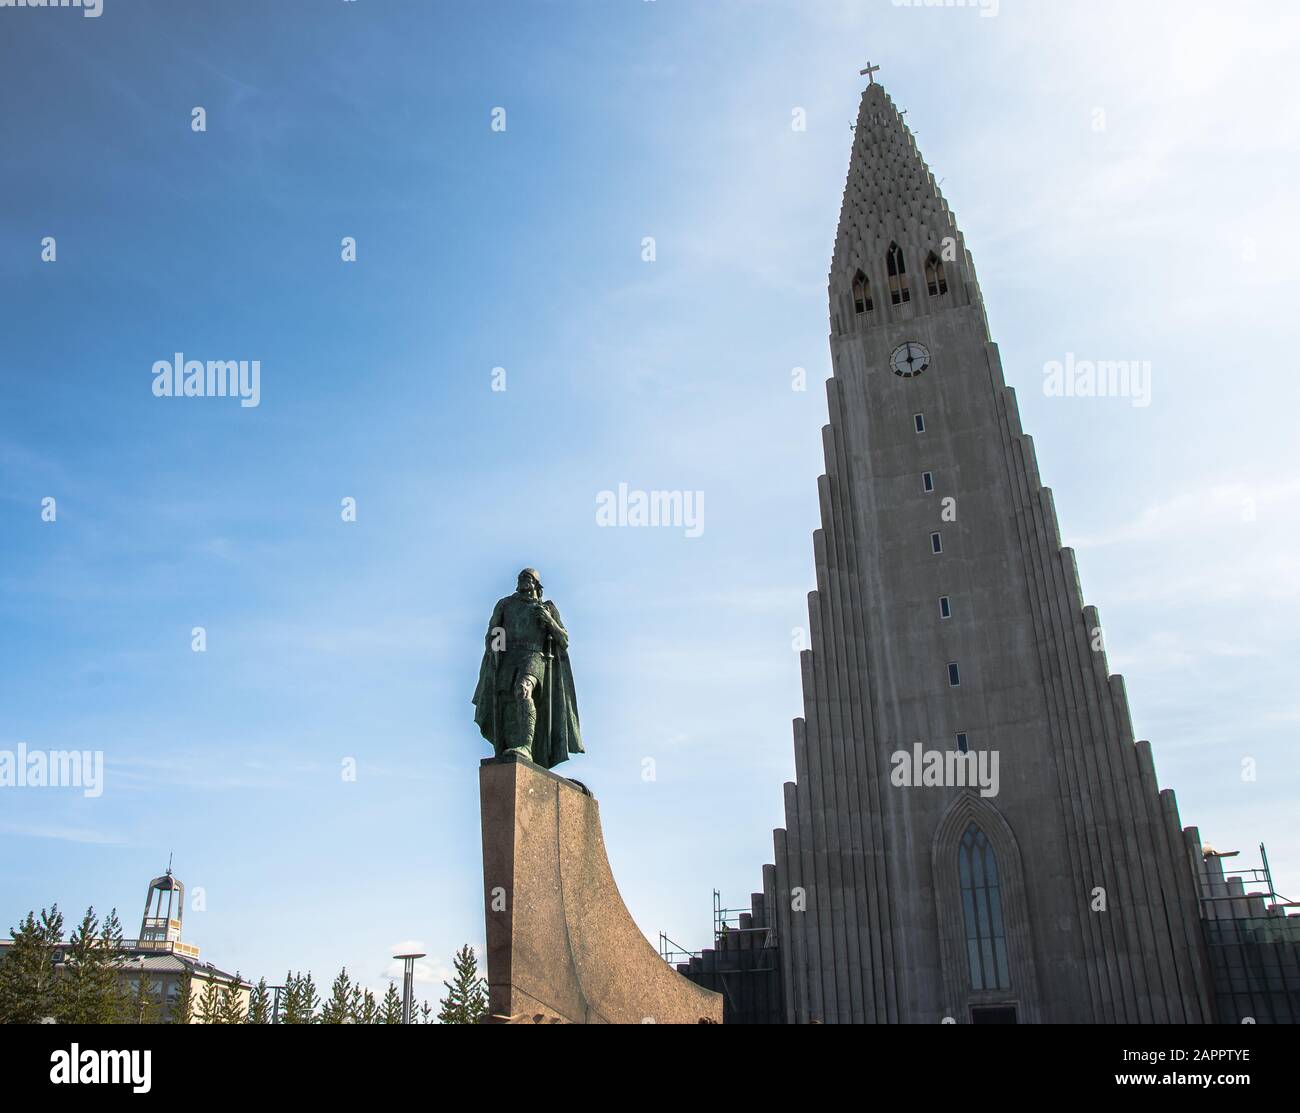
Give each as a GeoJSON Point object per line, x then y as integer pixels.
{"type": "Point", "coordinates": [63, 834]}
{"type": "Point", "coordinates": [1210, 510]}
{"type": "Point", "coordinates": [1169, 650]}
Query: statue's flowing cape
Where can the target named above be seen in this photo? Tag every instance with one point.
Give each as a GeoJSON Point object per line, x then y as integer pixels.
{"type": "Point", "coordinates": [564, 736]}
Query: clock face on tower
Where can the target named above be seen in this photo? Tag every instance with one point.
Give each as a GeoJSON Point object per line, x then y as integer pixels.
{"type": "Point", "coordinates": [910, 359]}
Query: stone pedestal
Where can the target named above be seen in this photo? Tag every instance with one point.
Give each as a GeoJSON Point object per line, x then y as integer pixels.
{"type": "Point", "coordinates": [560, 941]}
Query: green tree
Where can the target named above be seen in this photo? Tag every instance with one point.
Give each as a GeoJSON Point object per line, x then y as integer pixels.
{"type": "Point", "coordinates": [116, 959]}
{"type": "Point", "coordinates": [210, 1003]}
{"type": "Point", "coordinates": [339, 1006]}
{"type": "Point", "coordinates": [310, 998]}
{"type": "Point", "coordinates": [143, 1006]}
{"type": "Point", "coordinates": [425, 1014]}
{"type": "Point", "coordinates": [300, 1000]}
{"type": "Point", "coordinates": [259, 1004]}
{"type": "Point", "coordinates": [183, 1007]}
{"type": "Point", "coordinates": [89, 990]}
{"type": "Point", "coordinates": [290, 1010]}
{"type": "Point", "coordinates": [28, 979]}
{"type": "Point", "coordinates": [367, 1012]}
{"type": "Point", "coordinates": [390, 1009]}
{"type": "Point", "coordinates": [466, 999]}
{"type": "Point", "coordinates": [286, 1000]}
{"type": "Point", "coordinates": [231, 1008]}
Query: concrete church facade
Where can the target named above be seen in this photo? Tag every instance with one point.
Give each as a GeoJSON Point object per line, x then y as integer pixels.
{"type": "Point", "coordinates": [948, 614]}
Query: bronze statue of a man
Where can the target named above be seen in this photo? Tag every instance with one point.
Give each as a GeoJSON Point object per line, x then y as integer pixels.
{"type": "Point", "coordinates": [524, 703]}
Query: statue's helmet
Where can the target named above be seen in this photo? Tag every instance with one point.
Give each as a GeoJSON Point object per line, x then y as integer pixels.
{"type": "Point", "coordinates": [534, 575]}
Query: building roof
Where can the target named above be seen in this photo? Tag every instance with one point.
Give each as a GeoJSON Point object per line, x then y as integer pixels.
{"type": "Point", "coordinates": [164, 962]}
{"type": "Point", "coordinates": [177, 964]}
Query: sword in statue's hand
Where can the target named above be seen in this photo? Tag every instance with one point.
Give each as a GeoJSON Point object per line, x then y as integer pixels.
{"type": "Point", "coordinates": [551, 658]}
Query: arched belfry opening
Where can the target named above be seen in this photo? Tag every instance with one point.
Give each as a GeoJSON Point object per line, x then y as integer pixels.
{"type": "Point", "coordinates": [936, 279]}
{"type": "Point", "coordinates": [862, 302]}
{"type": "Point", "coordinates": [897, 267]}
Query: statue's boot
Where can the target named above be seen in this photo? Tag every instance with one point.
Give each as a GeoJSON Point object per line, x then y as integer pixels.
{"type": "Point", "coordinates": [525, 728]}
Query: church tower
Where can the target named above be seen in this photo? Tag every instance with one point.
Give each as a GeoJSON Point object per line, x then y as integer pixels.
{"type": "Point", "coordinates": [972, 832]}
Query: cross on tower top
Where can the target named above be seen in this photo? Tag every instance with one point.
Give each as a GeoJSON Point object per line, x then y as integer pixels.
{"type": "Point", "coordinates": [869, 73]}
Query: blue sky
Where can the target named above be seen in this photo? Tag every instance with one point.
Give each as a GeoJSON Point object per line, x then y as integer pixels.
{"type": "Point", "coordinates": [1164, 234]}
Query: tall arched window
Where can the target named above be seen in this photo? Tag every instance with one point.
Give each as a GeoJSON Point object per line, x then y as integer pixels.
{"type": "Point", "coordinates": [981, 905]}
{"type": "Point", "coordinates": [898, 291]}
{"type": "Point", "coordinates": [862, 294]}
{"type": "Point", "coordinates": [935, 279]}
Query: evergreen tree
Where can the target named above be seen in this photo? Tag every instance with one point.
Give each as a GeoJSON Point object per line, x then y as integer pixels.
{"type": "Point", "coordinates": [28, 979]}
{"type": "Point", "coordinates": [231, 1008]}
{"type": "Point", "coordinates": [89, 991]}
{"type": "Point", "coordinates": [210, 1003]}
{"type": "Point", "coordinates": [390, 1009]}
{"type": "Point", "coordinates": [116, 959]}
{"type": "Point", "coordinates": [143, 1005]}
{"type": "Point", "coordinates": [290, 1012]}
{"type": "Point", "coordinates": [466, 999]}
{"type": "Point", "coordinates": [367, 1011]}
{"type": "Point", "coordinates": [337, 1009]}
{"type": "Point", "coordinates": [310, 999]}
{"type": "Point", "coordinates": [286, 1001]}
{"type": "Point", "coordinates": [425, 1014]}
{"type": "Point", "coordinates": [259, 1004]}
{"type": "Point", "coordinates": [300, 1000]}
{"type": "Point", "coordinates": [183, 1007]}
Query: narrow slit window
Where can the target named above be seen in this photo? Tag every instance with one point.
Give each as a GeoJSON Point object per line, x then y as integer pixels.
{"type": "Point", "coordinates": [936, 280]}
{"type": "Point", "coordinates": [927, 481]}
{"type": "Point", "coordinates": [963, 743]}
{"type": "Point", "coordinates": [954, 675]}
{"type": "Point", "coordinates": [897, 267]}
{"type": "Point", "coordinates": [862, 302]}
{"type": "Point", "coordinates": [945, 607]}
{"type": "Point", "coordinates": [936, 543]}
{"type": "Point", "coordinates": [920, 423]}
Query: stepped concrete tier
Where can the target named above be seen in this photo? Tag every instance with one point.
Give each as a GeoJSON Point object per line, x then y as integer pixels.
{"type": "Point", "coordinates": [560, 942]}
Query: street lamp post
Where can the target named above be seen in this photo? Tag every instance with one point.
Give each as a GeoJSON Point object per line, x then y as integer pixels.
{"type": "Point", "coordinates": [408, 984]}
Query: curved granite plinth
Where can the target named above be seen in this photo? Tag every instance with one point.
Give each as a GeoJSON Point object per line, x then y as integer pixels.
{"type": "Point", "coordinates": [560, 941]}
